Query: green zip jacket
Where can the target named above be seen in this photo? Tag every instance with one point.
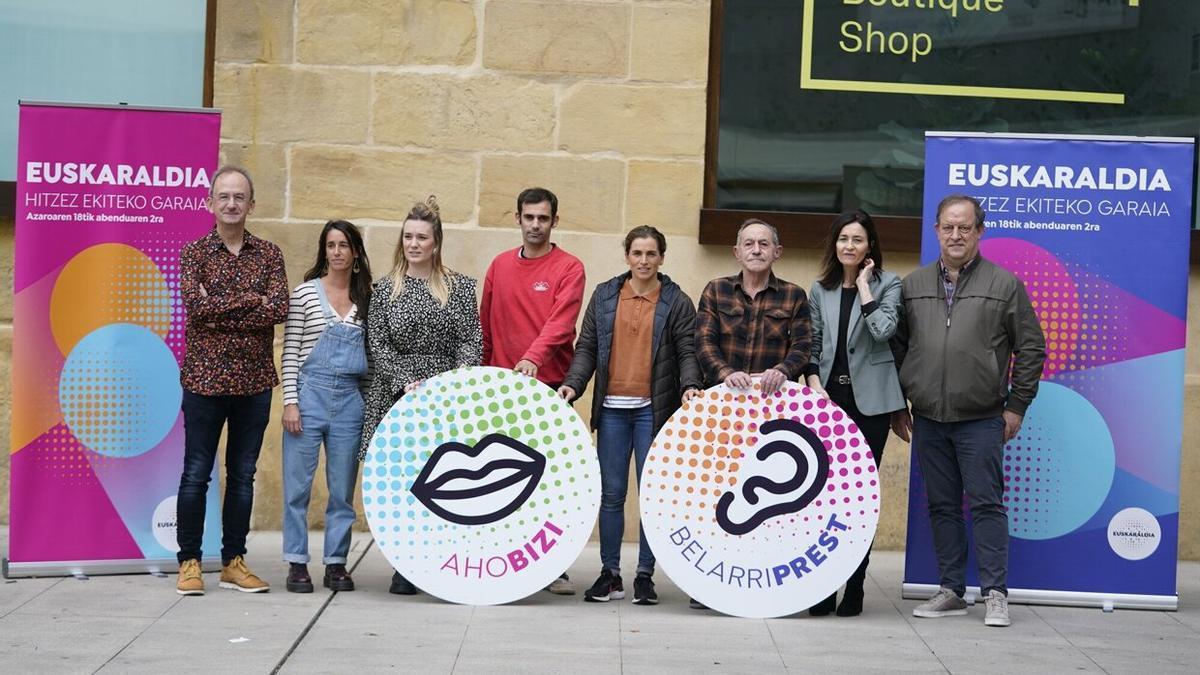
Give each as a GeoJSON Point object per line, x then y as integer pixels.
{"type": "Point", "coordinates": [954, 361]}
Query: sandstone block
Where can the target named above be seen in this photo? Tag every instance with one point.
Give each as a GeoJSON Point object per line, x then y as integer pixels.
{"type": "Point", "coordinates": [276, 104]}
{"type": "Point", "coordinates": [390, 32]}
{"type": "Point", "coordinates": [231, 93]}
{"type": "Point", "coordinates": [557, 37]}
{"type": "Point", "coordinates": [589, 190]}
{"type": "Point", "coordinates": [670, 43]}
{"type": "Point", "coordinates": [666, 195]}
{"type": "Point", "coordinates": [258, 31]}
{"type": "Point", "coordinates": [475, 113]}
{"type": "Point", "coordinates": [7, 253]}
{"type": "Point", "coordinates": [637, 121]}
{"type": "Point", "coordinates": [297, 240]}
{"type": "Point", "coordinates": [336, 182]}
{"type": "Point", "coordinates": [266, 164]}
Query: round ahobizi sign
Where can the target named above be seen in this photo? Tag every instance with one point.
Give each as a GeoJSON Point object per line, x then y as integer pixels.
{"type": "Point", "coordinates": [759, 507]}
{"type": "Point", "coordinates": [481, 486]}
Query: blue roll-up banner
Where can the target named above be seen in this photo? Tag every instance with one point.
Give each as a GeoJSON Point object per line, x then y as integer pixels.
{"type": "Point", "coordinates": [1098, 229]}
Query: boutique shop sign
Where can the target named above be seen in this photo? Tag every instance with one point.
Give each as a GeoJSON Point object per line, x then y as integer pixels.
{"type": "Point", "coordinates": [921, 46]}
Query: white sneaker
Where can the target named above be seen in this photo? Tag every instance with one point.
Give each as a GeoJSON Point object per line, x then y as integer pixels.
{"type": "Point", "coordinates": [997, 610]}
{"type": "Point", "coordinates": [943, 603]}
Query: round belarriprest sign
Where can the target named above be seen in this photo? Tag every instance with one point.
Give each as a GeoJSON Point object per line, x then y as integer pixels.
{"type": "Point", "coordinates": [481, 486]}
{"type": "Point", "coordinates": [756, 506]}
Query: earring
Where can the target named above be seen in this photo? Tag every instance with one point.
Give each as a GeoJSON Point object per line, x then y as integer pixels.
{"type": "Point", "coordinates": [355, 268]}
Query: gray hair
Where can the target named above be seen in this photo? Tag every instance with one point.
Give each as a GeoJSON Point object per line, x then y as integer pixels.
{"type": "Point", "coordinates": [755, 221]}
{"type": "Point", "coordinates": [231, 168]}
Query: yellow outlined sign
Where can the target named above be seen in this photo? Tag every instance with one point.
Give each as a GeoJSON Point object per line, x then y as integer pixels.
{"type": "Point", "coordinates": [807, 81]}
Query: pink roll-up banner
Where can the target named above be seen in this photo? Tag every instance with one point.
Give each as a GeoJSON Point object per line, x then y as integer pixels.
{"type": "Point", "coordinates": [106, 197]}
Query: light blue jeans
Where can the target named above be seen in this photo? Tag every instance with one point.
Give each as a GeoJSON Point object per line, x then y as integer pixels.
{"type": "Point", "coordinates": [621, 432]}
{"type": "Point", "coordinates": [331, 412]}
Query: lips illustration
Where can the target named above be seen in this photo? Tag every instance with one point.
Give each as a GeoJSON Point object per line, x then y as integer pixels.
{"type": "Point", "coordinates": [480, 484]}
{"type": "Point", "coordinates": [806, 480]}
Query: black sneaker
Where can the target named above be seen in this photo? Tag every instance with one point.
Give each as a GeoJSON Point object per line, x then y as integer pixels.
{"type": "Point", "coordinates": [643, 590]}
{"type": "Point", "coordinates": [401, 586]}
{"type": "Point", "coordinates": [696, 604]}
{"type": "Point", "coordinates": [607, 587]}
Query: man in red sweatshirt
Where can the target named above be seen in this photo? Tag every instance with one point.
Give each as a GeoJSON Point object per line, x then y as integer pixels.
{"type": "Point", "coordinates": [531, 299]}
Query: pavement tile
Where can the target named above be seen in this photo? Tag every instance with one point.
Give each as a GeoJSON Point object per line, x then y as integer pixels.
{"type": "Point", "coordinates": [44, 643]}
{"type": "Point", "coordinates": [138, 624]}
{"type": "Point", "coordinates": [14, 593]}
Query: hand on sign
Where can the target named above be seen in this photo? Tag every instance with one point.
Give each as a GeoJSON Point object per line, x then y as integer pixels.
{"type": "Point", "coordinates": [526, 367]}
{"type": "Point", "coordinates": [691, 394]}
{"type": "Point", "coordinates": [739, 379]}
{"type": "Point", "coordinates": [566, 393]}
{"type": "Point", "coordinates": [771, 380]}
{"type": "Point", "coordinates": [413, 385]}
{"type": "Point", "coordinates": [814, 383]}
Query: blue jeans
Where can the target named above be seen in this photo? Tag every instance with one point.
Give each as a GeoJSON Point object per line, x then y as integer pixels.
{"type": "Point", "coordinates": [957, 457]}
{"type": "Point", "coordinates": [331, 412]}
{"type": "Point", "coordinates": [203, 418]}
{"type": "Point", "coordinates": [620, 433]}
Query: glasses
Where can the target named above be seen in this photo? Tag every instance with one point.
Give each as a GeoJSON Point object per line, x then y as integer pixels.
{"type": "Point", "coordinates": [963, 230]}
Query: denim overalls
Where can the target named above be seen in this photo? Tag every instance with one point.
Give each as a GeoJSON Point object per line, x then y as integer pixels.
{"type": "Point", "coordinates": [331, 410]}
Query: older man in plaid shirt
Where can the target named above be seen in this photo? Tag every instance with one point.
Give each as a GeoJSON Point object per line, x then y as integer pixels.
{"type": "Point", "coordinates": [753, 323]}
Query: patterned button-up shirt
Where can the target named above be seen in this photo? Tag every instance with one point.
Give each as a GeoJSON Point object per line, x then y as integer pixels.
{"type": "Point", "coordinates": [735, 332]}
{"type": "Point", "coordinates": [230, 328]}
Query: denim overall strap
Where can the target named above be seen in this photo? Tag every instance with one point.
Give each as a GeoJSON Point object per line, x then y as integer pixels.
{"type": "Point", "coordinates": [340, 352]}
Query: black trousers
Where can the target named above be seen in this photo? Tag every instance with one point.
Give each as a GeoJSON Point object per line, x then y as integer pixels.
{"type": "Point", "coordinates": [875, 429]}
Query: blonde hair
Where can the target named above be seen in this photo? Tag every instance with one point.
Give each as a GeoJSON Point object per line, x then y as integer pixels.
{"type": "Point", "coordinates": [441, 281]}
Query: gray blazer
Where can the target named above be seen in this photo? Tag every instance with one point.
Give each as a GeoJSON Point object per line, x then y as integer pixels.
{"type": "Point", "coordinates": [872, 369]}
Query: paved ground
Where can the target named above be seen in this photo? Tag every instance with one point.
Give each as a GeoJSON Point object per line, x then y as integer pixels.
{"type": "Point", "coordinates": [137, 624]}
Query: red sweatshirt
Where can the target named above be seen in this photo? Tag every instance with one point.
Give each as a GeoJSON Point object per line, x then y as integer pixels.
{"type": "Point", "coordinates": [529, 309]}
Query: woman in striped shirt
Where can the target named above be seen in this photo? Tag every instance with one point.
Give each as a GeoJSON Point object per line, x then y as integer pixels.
{"type": "Point", "coordinates": [325, 371]}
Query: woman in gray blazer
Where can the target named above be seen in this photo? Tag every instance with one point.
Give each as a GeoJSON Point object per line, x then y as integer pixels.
{"type": "Point", "coordinates": [855, 306]}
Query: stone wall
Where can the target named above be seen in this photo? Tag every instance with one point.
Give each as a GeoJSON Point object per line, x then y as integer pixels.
{"type": "Point", "coordinates": [355, 109]}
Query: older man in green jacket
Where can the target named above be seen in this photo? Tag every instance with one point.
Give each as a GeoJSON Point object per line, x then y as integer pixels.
{"type": "Point", "coordinates": [965, 321]}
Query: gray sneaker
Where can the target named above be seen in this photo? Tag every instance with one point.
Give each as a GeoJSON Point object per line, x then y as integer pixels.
{"type": "Point", "coordinates": [997, 610]}
{"type": "Point", "coordinates": [944, 603]}
{"type": "Point", "coordinates": [562, 586]}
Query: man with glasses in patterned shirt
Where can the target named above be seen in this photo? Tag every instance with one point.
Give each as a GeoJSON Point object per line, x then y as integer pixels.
{"type": "Point", "coordinates": [235, 290]}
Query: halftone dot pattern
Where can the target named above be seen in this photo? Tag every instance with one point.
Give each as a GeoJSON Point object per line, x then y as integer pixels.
{"type": "Point", "coordinates": [707, 448]}
{"type": "Point", "coordinates": [1058, 470]}
{"type": "Point", "coordinates": [161, 244]}
{"type": "Point", "coordinates": [108, 284]}
{"type": "Point", "coordinates": [464, 406]}
{"type": "Point", "coordinates": [59, 455]}
{"type": "Point", "coordinates": [1055, 297]}
{"type": "Point", "coordinates": [119, 390]}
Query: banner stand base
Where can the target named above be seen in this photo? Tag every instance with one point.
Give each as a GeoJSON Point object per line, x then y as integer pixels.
{"type": "Point", "coordinates": [70, 568]}
{"type": "Point", "coordinates": [1023, 596]}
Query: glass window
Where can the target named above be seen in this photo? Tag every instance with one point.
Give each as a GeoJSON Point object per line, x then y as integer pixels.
{"type": "Point", "coordinates": [823, 104]}
{"type": "Point", "coordinates": [141, 52]}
